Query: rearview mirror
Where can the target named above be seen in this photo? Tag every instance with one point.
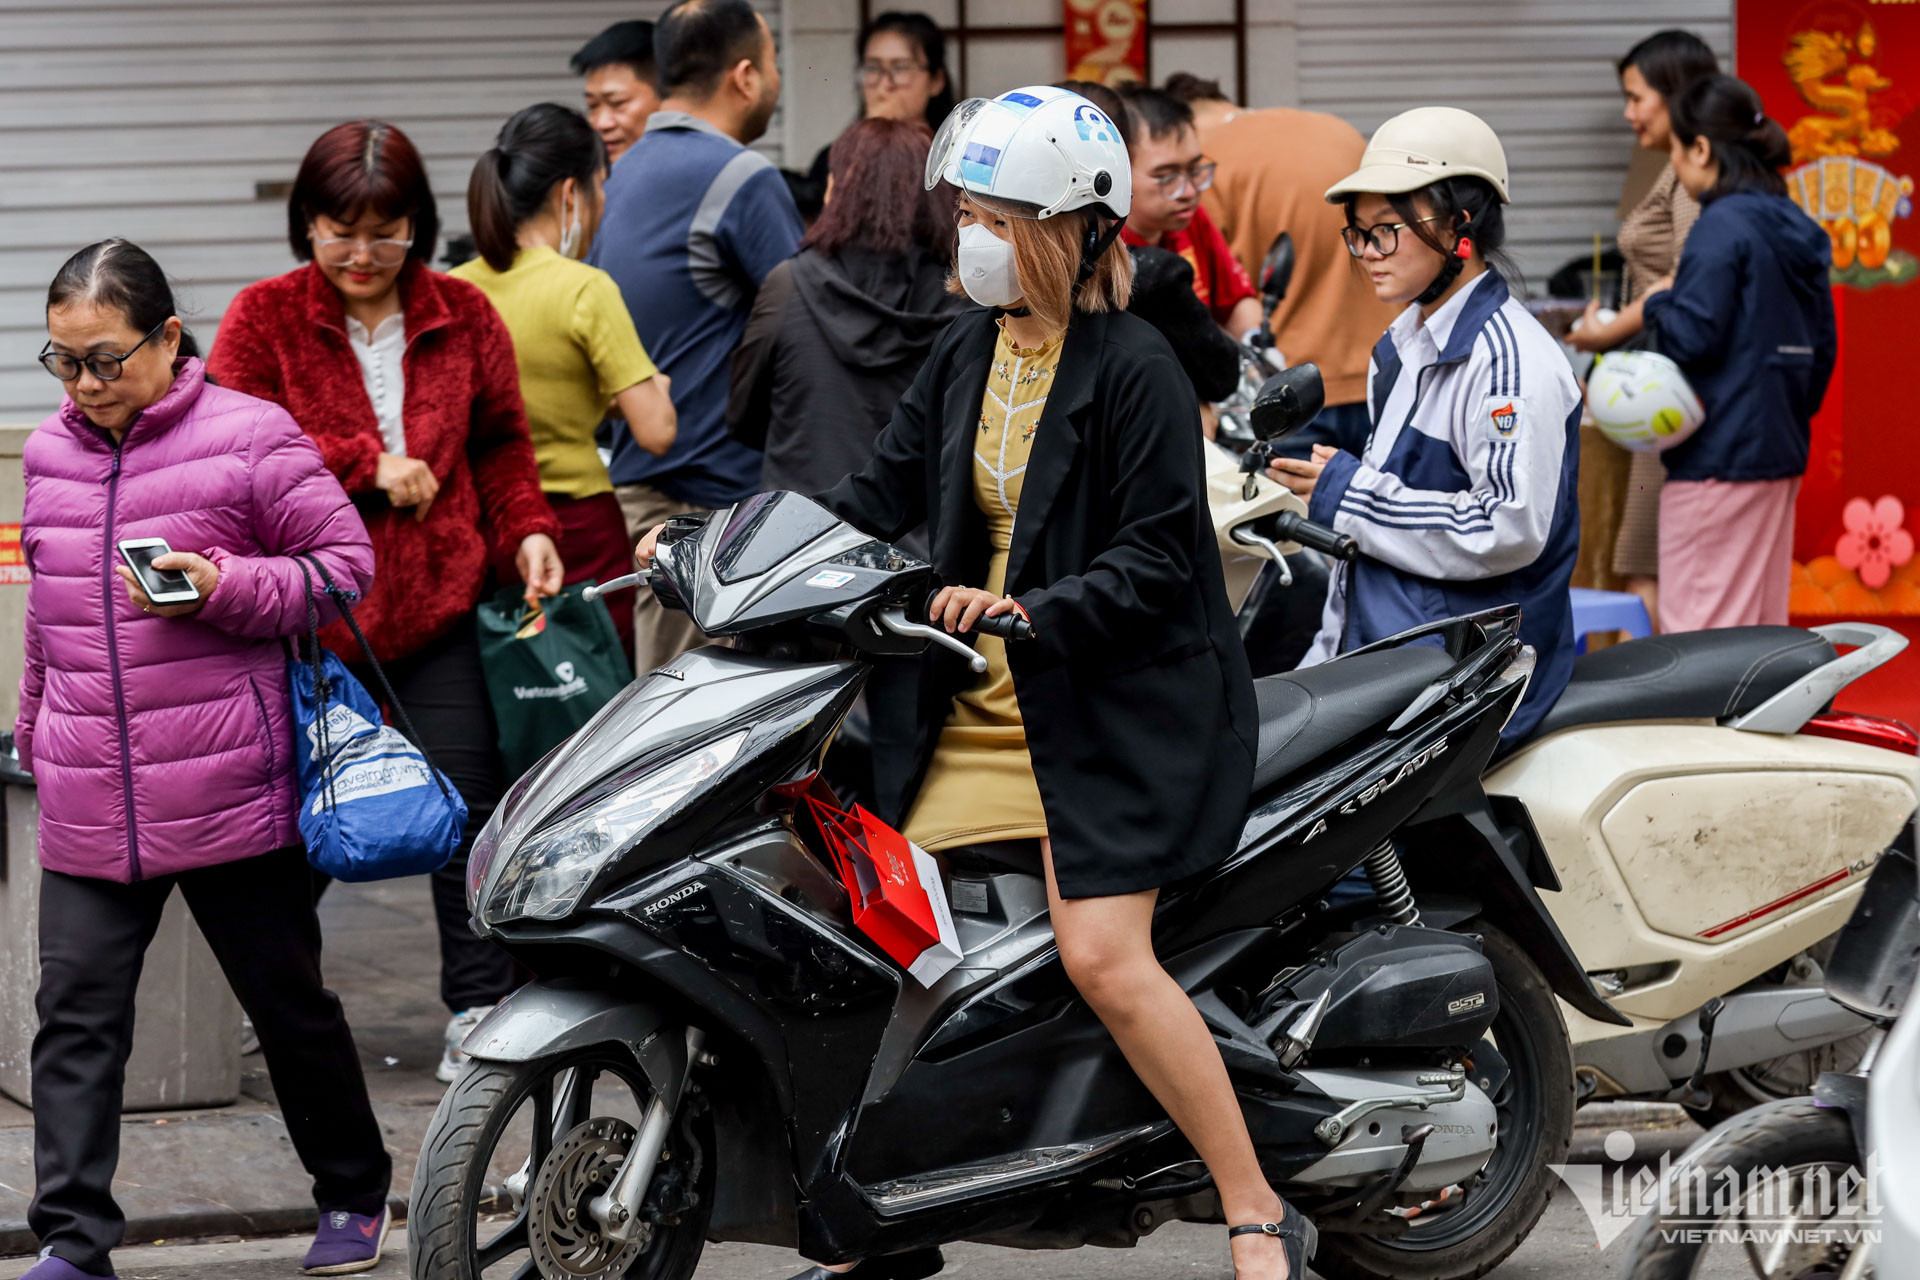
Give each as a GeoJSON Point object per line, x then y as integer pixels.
{"type": "Point", "coordinates": [1276, 270]}
{"type": "Point", "coordinates": [1288, 401]}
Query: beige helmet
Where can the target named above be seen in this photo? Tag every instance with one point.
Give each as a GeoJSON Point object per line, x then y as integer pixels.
{"type": "Point", "coordinates": [1420, 147]}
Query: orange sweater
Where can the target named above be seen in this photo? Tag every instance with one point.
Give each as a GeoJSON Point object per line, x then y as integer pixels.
{"type": "Point", "coordinates": [1275, 168]}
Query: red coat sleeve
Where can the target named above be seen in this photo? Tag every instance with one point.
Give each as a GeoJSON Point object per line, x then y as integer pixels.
{"type": "Point", "coordinates": [247, 358]}
{"type": "Point", "coordinates": [499, 446]}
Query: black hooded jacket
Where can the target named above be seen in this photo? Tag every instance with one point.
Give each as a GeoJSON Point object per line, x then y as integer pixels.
{"type": "Point", "coordinates": [833, 342]}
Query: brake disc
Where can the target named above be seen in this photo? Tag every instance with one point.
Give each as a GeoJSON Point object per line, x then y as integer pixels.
{"type": "Point", "coordinates": [566, 1242]}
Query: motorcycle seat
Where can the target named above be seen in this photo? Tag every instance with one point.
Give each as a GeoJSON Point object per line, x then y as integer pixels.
{"type": "Point", "coordinates": [1691, 675]}
{"type": "Point", "coordinates": [1306, 714]}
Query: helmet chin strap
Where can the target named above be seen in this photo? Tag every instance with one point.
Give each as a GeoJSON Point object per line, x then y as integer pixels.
{"type": "Point", "coordinates": [1449, 270]}
{"type": "Point", "coordinates": [1096, 244]}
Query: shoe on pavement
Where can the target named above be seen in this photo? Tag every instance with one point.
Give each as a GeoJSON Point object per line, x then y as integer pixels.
{"type": "Point", "coordinates": [915, 1264]}
{"type": "Point", "coordinates": [52, 1268]}
{"type": "Point", "coordinates": [452, 1060]}
{"type": "Point", "coordinates": [345, 1243]}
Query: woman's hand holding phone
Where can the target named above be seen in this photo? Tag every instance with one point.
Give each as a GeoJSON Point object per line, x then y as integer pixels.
{"type": "Point", "coordinates": [199, 570]}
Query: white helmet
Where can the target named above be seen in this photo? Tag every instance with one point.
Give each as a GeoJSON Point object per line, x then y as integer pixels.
{"type": "Point", "coordinates": [1045, 148]}
{"type": "Point", "coordinates": [1641, 400]}
{"type": "Point", "coordinates": [1420, 147]}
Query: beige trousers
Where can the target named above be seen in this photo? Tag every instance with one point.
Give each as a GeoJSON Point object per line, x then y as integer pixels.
{"type": "Point", "coordinates": [660, 634]}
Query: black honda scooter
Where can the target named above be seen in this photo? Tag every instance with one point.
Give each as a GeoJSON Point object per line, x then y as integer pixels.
{"type": "Point", "coordinates": [713, 1052]}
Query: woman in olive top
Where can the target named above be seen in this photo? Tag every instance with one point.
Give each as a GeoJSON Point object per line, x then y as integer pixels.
{"type": "Point", "coordinates": [534, 202]}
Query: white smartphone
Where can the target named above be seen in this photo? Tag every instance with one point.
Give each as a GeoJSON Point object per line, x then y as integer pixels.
{"type": "Point", "coordinates": [163, 586]}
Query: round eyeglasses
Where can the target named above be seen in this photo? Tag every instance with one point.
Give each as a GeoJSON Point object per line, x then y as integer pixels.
{"type": "Point", "coordinates": [103, 365]}
{"type": "Point", "coordinates": [1383, 236]}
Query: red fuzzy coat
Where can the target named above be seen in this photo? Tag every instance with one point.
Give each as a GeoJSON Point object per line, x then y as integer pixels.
{"type": "Point", "coordinates": [285, 340]}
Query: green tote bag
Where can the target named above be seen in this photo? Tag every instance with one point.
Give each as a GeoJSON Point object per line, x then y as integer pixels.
{"type": "Point", "coordinates": [548, 669]}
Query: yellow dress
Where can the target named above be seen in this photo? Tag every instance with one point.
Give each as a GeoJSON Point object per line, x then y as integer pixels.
{"type": "Point", "coordinates": [979, 786]}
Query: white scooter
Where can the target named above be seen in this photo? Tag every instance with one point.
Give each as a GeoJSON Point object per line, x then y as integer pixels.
{"type": "Point", "coordinates": [1709, 820]}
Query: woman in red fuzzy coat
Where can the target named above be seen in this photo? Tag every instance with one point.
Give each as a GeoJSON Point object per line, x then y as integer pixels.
{"type": "Point", "coordinates": [406, 380]}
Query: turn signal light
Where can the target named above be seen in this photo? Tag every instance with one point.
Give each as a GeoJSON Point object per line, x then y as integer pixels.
{"type": "Point", "coordinates": [1868, 731]}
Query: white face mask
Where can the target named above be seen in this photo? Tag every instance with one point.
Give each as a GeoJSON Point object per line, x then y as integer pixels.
{"type": "Point", "coordinates": [985, 267]}
{"type": "Point", "coordinates": [569, 238]}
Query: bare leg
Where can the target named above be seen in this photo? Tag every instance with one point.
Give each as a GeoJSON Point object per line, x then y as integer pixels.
{"type": "Point", "coordinates": [1648, 589]}
{"type": "Point", "coordinates": [1106, 945]}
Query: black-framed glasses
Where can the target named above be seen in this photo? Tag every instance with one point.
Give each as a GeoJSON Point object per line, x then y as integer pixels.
{"type": "Point", "coordinates": [893, 72]}
{"type": "Point", "coordinates": [1199, 176]}
{"type": "Point", "coordinates": [103, 365]}
{"type": "Point", "coordinates": [1383, 236]}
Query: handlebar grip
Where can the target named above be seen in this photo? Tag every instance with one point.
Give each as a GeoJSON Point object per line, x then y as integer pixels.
{"type": "Point", "coordinates": [1008, 626]}
{"type": "Point", "coordinates": [1288, 526]}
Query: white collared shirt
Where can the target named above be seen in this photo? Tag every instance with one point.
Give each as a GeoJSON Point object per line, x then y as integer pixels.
{"type": "Point", "coordinates": [379, 356]}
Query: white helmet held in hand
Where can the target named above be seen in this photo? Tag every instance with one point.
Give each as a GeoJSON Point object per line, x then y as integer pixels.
{"type": "Point", "coordinates": [1042, 148]}
{"type": "Point", "coordinates": [1420, 147]}
{"type": "Point", "coordinates": [1641, 400]}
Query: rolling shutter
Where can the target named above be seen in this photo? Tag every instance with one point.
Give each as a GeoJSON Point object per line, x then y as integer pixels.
{"type": "Point", "coordinates": [179, 126]}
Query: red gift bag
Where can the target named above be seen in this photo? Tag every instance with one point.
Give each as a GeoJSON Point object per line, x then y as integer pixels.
{"type": "Point", "coordinates": [898, 899]}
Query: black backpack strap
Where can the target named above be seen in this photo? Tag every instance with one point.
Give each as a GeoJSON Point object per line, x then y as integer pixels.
{"type": "Point", "coordinates": [343, 599]}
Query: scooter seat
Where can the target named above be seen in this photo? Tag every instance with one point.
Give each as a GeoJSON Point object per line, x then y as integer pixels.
{"type": "Point", "coordinates": [1691, 675]}
{"type": "Point", "coordinates": [1306, 714]}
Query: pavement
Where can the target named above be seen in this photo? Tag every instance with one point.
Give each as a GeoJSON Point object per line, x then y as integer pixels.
{"type": "Point", "coordinates": [219, 1194]}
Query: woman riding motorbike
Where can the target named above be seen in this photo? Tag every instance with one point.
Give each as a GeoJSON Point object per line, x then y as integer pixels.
{"type": "Point", "coordinates": [1121, 736]}
{"type": "Point", "coordinates": [1463, 497]}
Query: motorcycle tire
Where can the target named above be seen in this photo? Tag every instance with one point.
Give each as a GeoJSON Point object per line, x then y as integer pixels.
{"type": "Point", "coordinates": [451, 1192]}
{"type": "Point", "coordinates": [1774, 1135]}
{"type": "Point", "coordinates": [1536, 1126]}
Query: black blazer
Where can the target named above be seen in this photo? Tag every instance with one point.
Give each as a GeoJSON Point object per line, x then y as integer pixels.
{"type": "Point", "coordinates": [1135, 691]}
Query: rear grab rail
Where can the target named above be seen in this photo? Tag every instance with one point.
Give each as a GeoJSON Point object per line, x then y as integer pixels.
{"type": "Point", "coordinates": [1790, 709]}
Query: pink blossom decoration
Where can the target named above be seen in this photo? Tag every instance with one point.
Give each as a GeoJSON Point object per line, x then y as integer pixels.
{"type": "Point", "coordinates": [1874, 543]}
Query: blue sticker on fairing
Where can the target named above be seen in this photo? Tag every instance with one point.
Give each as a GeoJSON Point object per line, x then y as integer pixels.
{"type": "Point", "coordinates": [1092, 126]}
{"type": "Point", "coordinates": [1016, 99]}
{"type": "Point", "coordinates": [977, 163]}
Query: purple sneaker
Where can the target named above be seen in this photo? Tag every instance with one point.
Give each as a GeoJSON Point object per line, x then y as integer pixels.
{"type": "Point", "coordinates": [346, 1242]}
{"type": "Point", "coordinates": [52, 1268]}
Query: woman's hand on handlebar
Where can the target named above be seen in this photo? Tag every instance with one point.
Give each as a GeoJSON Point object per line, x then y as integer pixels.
{"type": "Point", "coordinates": [958, 608]}
{"type": "Point", "coordinates": [643, 550]}
{"type": "Point", "coordinates": [1301, 476]}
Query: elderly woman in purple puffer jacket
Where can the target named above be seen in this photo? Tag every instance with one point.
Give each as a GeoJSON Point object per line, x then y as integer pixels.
{"type": "Point", "coordinates": [161, 740]}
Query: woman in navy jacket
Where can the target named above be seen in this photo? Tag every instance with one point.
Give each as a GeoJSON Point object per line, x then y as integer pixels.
{"type": "Point", "coordinates": [1749, 318]}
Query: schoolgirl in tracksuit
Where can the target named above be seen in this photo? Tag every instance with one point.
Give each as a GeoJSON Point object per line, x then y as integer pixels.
{"type": "Point", "coordinates": [1464, 496]}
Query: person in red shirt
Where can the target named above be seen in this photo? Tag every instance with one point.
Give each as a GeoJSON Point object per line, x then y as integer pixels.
{"type": "Point", "coordinates": [1169, 173]}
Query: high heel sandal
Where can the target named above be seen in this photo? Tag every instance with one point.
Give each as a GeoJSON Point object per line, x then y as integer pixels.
{"type": "Point", "coordinates": [1297, 1235]}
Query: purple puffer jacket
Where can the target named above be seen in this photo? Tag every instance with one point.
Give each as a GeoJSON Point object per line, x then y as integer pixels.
{"type": "Point", "coordinates": [165, 744]}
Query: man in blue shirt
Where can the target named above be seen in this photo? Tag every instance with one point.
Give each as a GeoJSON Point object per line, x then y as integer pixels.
{"type": "Point", "coordinates": [693, 222]}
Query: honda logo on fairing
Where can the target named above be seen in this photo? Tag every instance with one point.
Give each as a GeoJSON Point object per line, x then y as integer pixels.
{"type": "Point", "coordinates": [1380, 786]}
{"type": "Point", "coordinates": [678, 895]}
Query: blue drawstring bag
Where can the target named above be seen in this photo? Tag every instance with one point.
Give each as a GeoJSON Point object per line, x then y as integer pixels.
{"type": "Point", "coordinates": [372, 806]}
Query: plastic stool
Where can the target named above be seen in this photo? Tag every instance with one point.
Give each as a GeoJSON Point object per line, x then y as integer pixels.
{"type": "Point", "coordinates": [1608, 611]}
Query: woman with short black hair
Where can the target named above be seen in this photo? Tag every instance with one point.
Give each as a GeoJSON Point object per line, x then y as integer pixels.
{"type": "Point", "coordinates": [1749, 319]}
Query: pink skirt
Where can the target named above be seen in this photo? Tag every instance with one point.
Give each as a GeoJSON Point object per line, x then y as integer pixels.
{"type": "Point", "coordinates": [1726, 553]}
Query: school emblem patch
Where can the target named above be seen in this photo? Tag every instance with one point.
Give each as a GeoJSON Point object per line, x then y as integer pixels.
{"type": "Point", "coordinates": [1504, 414]}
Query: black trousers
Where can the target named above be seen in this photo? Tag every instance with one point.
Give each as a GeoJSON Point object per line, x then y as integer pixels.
{"type": "Point", "coordinates": [444, 693]}
{"type": "Point", "coordinates": [258, 916]}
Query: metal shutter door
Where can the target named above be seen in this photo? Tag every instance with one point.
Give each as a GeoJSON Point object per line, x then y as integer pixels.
{"type": "Point", "coordinates": [1539, 71]}
{"type": "Point", "coordinates": [157, 121]}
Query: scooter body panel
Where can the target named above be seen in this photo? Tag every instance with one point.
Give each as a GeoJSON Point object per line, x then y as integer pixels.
{"type": "Point", "coordinates": [1646, 824]}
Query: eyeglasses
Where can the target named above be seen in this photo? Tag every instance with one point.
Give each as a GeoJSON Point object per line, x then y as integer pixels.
{"type": "Point", "coordinates": [103, 365]}
{"type": "Point", "coordinates": [338, 251]}
{"type": "Point", "coordinates": [1383, 236]}
{"type": "Point", "coordinates": [892, 72]}
{"type": "Point", "coordinates": [1174, 184]}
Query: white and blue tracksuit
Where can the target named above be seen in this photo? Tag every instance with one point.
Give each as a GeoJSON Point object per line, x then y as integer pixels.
{"type": "Point", "coordinates": [1465, 496]}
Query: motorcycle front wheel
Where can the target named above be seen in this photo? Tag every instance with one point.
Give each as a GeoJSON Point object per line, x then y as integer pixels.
{"type": "Point", "coordinates": [1469, 1233]}
{"type": "Point", "coordinates": [1776, 1207]}
{"type": "Point", "coordinates": [515, 1154]}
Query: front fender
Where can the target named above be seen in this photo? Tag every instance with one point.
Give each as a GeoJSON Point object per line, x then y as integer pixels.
{"type": "Point", "coordinates": [542, 1021]}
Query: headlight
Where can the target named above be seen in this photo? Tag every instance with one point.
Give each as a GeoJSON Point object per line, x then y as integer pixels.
{"type": "Point", "coordinates": [544, 878]}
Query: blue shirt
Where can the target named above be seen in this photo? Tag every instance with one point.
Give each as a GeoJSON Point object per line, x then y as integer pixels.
{"type": "Point", "coordinates": [694, 222]}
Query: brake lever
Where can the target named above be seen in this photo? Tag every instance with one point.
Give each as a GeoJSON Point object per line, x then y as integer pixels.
{"type": "Point", "coordinates": [895, 621]}
{"type": "Point", "coordinates": [1245, 535]}
{"type": "Point", "coordinates": [592, 593]}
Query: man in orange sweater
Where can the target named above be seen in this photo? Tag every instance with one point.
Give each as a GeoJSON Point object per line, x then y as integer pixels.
{"type": "Point", "coordinates": [1273, 169]}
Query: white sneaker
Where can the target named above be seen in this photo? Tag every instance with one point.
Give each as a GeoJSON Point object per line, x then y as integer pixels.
{"type": "Point", "coordinates": [452, 1060]}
